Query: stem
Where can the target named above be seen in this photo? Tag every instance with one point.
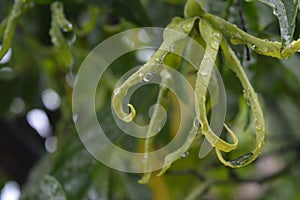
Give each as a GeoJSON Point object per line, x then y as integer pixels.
{"type": "Point", "coordinates": [240, 10]}
{"type": "Point", "coordinates": [10, 26]}
{"type": "Point", "coordinates": [238, 36]}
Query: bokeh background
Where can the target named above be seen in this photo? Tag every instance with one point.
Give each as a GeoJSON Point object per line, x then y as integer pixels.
{"type": "Point", "coordinates": [41, 155]}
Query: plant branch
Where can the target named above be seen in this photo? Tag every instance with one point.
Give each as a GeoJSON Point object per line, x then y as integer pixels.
{"type": "Point", "coordinates": [240, 10]}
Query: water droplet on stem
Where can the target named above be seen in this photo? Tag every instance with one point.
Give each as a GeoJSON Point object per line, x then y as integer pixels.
{"type": "Point", "coordinates": [196, 123]}
{"type": "Point", "coordinates": [187, 27]}
{"type": "Point", "coordinates": [148, 77]}
{"type": "Point", "coordinates": [171, 48]}
{"type": "Point", "coordinates": [185, 154]}
{"type": "Point", "coordinates": [214, 44]}
{"type": "Point", "coordinates": [204, 73]}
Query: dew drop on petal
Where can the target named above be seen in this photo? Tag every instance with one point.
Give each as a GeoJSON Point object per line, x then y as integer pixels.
{"type": "Point", "coordinates": [204, 73]}
{"type": "Point", "coordinates": [171, 49]}
{"type": "Point", "coordinates": [187, 27]}
{"type": "Point", "coordinates": [147, 78]}
{"type": "Point", "coordinates": [214, 44]}
{"type": "Point", "coordinates": [117, 91]}
{"type": "Point", "coordinates": [196, 123]}
{"type": "Point", "coordinates": [158, 60]}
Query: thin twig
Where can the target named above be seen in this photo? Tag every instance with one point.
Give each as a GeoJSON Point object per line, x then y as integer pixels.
{"type": "Point", "coordinates": [240, 10]}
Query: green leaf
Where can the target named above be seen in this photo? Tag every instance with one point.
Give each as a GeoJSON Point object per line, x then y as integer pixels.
{"type": "Point", "coordinates": [286, 12]}
{"type": "Point", "coordinates": [10, 26]}
{"type": "Point", "coordinates": [50, 188]}
{"type": "Point", "coordinates": [80, 175]}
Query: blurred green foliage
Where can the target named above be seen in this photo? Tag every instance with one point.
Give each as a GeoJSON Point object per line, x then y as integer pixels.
{"type": "Point", "coordinates": [72, 173]}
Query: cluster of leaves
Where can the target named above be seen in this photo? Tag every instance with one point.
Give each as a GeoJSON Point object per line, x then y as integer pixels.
{"type": "Point", "coordinates": [72, 173]}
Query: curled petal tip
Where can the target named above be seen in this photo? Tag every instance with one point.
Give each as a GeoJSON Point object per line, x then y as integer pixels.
{"type": "Point", "coordinates": [145, 179]}
{"type": "Point", "coordinates": [232, 134]}
{"type": "Point", "coordinates": [132, 114]}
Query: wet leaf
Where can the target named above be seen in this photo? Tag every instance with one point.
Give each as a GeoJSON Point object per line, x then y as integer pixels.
{"type": "Point", "coordinates": [286, 12]}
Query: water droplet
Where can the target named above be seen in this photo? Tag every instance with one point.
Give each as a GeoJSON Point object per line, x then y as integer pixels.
{"type": "Point", "coordinates": [214, 44]}
{"type": "Point", "coordinates": [75, 118]}
{"type": "Point", "coordinates": [264, 49]}
{"type": "Point", "coordinates": [217, 35]}
{"type": "Point", "coordinates": [196, 123]}
{"type": "Point", "coordinates": [71, 39]}
{"type": "Point", "coordinates": [67, 27]}
{"type": "Point", "coordinates": [275, 12]}
{"type": "Point", "coordinates": [148, 77]}
{"type": "Point", "coordinates": [158, 60]}
{"type": "Point", "coordinates": [6, 58]}
{"type": "Point", "coordinates": [253, 47]}
{"type": "Point", "coordinates": [248, 103]}
{"type": "Point", "coordinates": [185, 154]}
{"type": "Point", "coordinates": [242, 159]}
{"type": "Point", "coordinates": [259, 145]}
{"type": "Point", "coordinates": [204, 73]}
{"type": "Point", "coordinates": [259, 128]}
{"type": "Point", "coordinates": [171, 49]}
{"type": "Point", "coordinates": [245, 94]}
{"type": "Point", "coordinates": [187, 27]}
{"type": "Point", "coordinates": [116, 91]}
